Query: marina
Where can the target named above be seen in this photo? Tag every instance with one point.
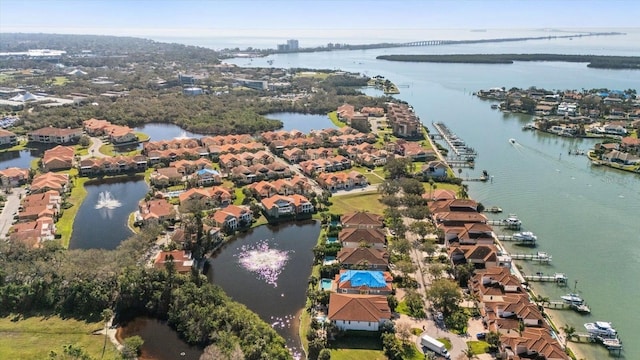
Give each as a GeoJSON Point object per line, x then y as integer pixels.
{"type": "Point", "coordinates": [456, 144]}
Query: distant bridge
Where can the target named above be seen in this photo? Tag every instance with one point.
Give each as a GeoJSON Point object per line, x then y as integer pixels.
{"type": "Point", "coordinates": [434, 43]}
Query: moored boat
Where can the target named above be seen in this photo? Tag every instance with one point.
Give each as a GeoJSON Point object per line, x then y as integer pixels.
{"type": "Point", "coordinates": [601, 328]}
{"type": "Point", "coordinates": [573, 299]}
{"type": "Point", "coordinates": [525, 236]}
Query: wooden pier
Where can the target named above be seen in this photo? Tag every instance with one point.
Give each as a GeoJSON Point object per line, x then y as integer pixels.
{"type": "Point", "coordinates": [516, 240]}
{"type": "Point", "coordinates": [541, 257]}
{"type": "Point", "coordinates": [507, 224]}
{"type": "Point", "coordinates": [559, 278]}
{"type": "Point", "coordinates": [562, 305]}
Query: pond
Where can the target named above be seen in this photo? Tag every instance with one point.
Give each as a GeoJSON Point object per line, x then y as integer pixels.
{"type": "Point", "coordinates": [18, 158]}
{"type": "Point", "coordinates": [267, 269]}
{"type": "Point", "coordinates": [302, 122]}
{"type": "Point", "coordinates": [160, 131]}
{"type": "Point", "coordinates": [161, 342]}
{"type": "Point", "coordinates": [101, 221]}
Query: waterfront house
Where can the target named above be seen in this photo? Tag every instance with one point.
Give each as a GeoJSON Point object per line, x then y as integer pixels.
{"type": "Point", "coordinates": [51, 135]}
{"type": "Point", "coordinates": [371, 282]}
{"type": "Point", "coordinates": [531, 343]}
{"type": "Point", "coordinates": [278, 205]}
{"type": "Point", "coordinates": [120, 134]}
{"type": "Point", "coordinates": [7, 138]}
{"type": "Point", "coordinates": [180, 259]}
{"type": "Point", "coordinates": [363, 257]}
{"type": "Point", "coordinates": [435, 169]}
{"type": "Point", "coordinates": [415, 151]}
{"type": "Point", "coordinates": [14, 176]}
{"type": "Point", "coordinates": [232, 217]}
{"type": "Point", "coordinates": [58, 158]}
{"type": "Point", "coordinates": [481, 256]}
{"type": "Point", "coordinates": [358, 312]}
{"type": "Point", "coordinates": [620, 157]}
{"type": "Point", "coordinates": [356, 237]}
{"type": "Point", "coordinates": [630, 144]}
{"type": "Point", "coordinates": [362, 220]}
{"type": "Point", "coordinates": [95, 127]}
{"type": "Point", "coordinates": [155, 211]}
{"type": "Point", "coordinates": [111, 165]}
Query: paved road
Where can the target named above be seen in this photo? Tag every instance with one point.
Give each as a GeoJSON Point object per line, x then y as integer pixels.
{"type": "Point", "coordinates": [94, 149]}
{"type": "Point", "coordinates": [10, 207]}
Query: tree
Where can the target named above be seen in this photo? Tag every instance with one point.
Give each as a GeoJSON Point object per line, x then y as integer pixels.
{"type": "Point", "coordinates": [132, 346]}
{"type": "Point", "coordinates": [107, 314]}
{"type": "Point", "coordinates": [569, 331]}
{"type": "Point", "coordinates": [415, 304]}
{"type": "Point", "coordinates": [325, 354]}
{"type": "Point", "coordinates": [462, 191]}
{"type": "Point", "coordinates": [403, 330]}
{"type": "Point", "coordinates": [445, 295]}
{"type": "Point", "coordinates": [493, 339]}
{"type": "Point", "coordinates": [420, 228]}
{"type": "Point", "coordinates": [397, 167]}
{"type": "Point", "coordinates": [84, 141]}
{"type": "Point", "coordinates": [468, 352]}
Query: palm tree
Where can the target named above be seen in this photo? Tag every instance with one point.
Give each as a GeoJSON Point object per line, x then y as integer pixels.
{"type": "Point", "coordinates": [469, 353]}
{"type": "Point", "coordinates": [569, 332]}
{"type": "Point", "coordinates": [107, 314]}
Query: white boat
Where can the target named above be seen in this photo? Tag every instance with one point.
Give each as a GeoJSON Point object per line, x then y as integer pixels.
{"type": "Point", "coordinates": [573, 299]}
{"type": "Point", "coordinates": [526, 236]}
{"type": "Point", "coordinates": [601, 328]}
{"type": "Point", "coordinates": [611, 344]}
{"type": "Point", "coordinates": [512, 141]}
{"type": "Point", "coordinates": [512, 221]}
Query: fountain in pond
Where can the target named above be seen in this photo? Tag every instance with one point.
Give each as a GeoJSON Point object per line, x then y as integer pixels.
{"type": "Point", "coordinates": [106, 201]}
{"type": "Point", "coordinates": [267, 263]}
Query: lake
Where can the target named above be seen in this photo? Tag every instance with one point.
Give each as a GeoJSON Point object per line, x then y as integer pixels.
{"type": "Point", "coordinates": [276, 295]}
{"type": "Point", "coordinates": [19, 158]}
{"type": "Point", "coordinates": [101, 221]}
{"type": "Point", "coordinates": [160, 340]}
{"type": "Point", "coordinates": [302, 122]}
{"type": "Point", "coordinates": [160, 131]}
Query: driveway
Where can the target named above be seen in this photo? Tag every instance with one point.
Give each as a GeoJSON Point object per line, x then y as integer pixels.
{"type": "Point", "coordinates": [10, 207]}
{"type": "Point", "coordinates": [94, 149]}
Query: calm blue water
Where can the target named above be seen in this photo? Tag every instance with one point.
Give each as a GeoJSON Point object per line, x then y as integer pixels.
{"type": "Point", "coordinates": [105, 228]}
{"type": "Point", "coordinates": [278, 305]}
{"type": "Point", "coordinates": [159, 131]}
{"type": "Point", "coordinates": [20, 159]}
{"type": "Point", "coordinates": [302, 122]}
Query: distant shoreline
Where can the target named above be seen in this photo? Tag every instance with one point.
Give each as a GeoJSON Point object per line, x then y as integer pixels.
{"type": "Point", "coordinates": [594, 61]}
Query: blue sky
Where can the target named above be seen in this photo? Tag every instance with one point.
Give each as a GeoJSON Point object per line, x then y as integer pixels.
{"type": "Point", "coordinates": [313, 18]}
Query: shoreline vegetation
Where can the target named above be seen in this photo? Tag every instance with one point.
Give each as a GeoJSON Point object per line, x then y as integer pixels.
{"type": "Point", "coordinates": [593, 61]}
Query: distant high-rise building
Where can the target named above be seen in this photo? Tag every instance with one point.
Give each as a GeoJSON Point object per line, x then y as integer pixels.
{"type": "Point", "coordinates": [292, 44]}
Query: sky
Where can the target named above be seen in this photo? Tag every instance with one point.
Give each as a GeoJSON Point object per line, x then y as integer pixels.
{"type": "Point", "coordinates": [200, 18]}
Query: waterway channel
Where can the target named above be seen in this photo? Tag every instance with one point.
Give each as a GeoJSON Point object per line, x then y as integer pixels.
{"type": "Point", "coordinates": [586, 217]}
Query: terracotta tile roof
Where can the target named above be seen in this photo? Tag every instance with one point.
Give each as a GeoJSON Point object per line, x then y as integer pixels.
{"type": "Point", "coordinates": [15, 172]}
{"type": "Point", "coordinates": [352, 307]}
{"type": "Point", "coordinates": [51, 131]}
{"type": "Point", "coordinates": [363, 256]}
{"type": "Point", "coordinates": [181, 259]}
{"type": "Point", "coordinates": [370, 236]}
{"type": "Point", "coordinates": [362, 218]}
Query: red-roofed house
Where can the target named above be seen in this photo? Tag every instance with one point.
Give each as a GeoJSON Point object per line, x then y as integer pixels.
{"type": "Point", "coordinates": [181, 260]}
{"type": "Point", "coordinates": [155, 211]}
{"type": "Point", "coordinates": [58, 158]}
{"type": "Point", "coordinates": [51, 135]}
{"type": "Point", "coordinates": [7, 138]}
{"type": "Point", "coordinates": [14, 176]}
{"type": "Point", "coordinates": [232, 217]}
{"type": "Point", "coordinates": [278, 205]}
{"type": "Point", "coordinates": [358, 312]}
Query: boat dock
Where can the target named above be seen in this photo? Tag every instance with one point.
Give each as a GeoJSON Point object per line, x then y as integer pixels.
{"type": "Point", "coordinates": [559, 278]}
{"type": "Point", "coordinates": [459, 147]}
{"type": "Point", "coordinates": [516, 240]}
{"type": "Point", "coordinates": [612, 344]}
{"type": "Point", "coordinates": [507, 224]}
{"type": "Point", "coordinates": [562, 305]}
{"type": "Point", "coordinates": [541, 257]}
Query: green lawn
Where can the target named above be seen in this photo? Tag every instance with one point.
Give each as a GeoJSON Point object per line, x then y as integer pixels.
{"type": "Point", "coordinates": [357, 201]}
{"type": "Point", "coordinates": [478, 347]}
{"type": "Point", "coordinates": [59, 81]}
{"type": "Point", "coordinates": [373, 179]}
{"type": "Point", "coordinates": [35, 337]}
{"type": "Point", "coordinates": [109, 149]}
{"type": "Point", "coordinates": [64, 226]}
{"type": "Point", "coordinates": [239, 196]}
{"type": "Point", "coordinates": [357, 348]}
{"type": "Point", "coordinates": [313, 74]}
{"type": "Point", "coordinates": [334, 119]}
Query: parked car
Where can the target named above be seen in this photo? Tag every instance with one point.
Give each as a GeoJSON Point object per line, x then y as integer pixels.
{"type": "Point", "coordinates": [481, 336]}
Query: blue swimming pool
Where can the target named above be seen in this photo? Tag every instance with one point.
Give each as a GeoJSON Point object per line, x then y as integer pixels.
{"type": "Point", "coordinates": [332, 240]}
{"type": "Point", "coordinates": [325, 284]}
